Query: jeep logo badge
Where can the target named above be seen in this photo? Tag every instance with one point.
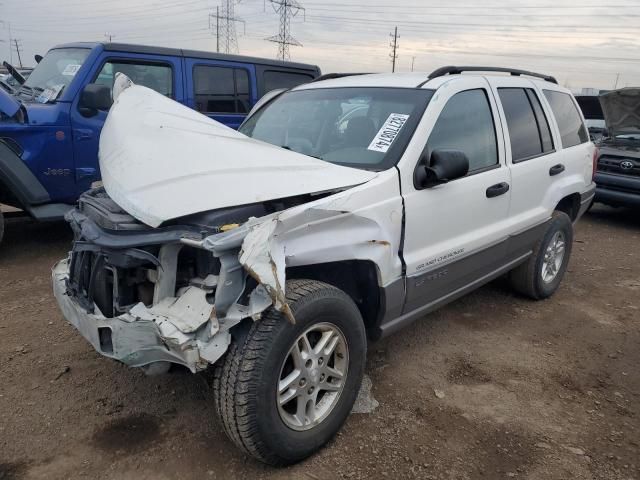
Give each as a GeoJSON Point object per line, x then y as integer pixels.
{"type": "Point", "coordinates": [626, 165]}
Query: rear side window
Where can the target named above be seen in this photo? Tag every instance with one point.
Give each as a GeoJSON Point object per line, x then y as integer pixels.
{"type": "Point", "coordinates": [158, 77]}
{"type": "Point", "coordinates": [275, 79]}
{"type": "Point", "coordinates": [572, 130]}
{"type": "Point", "coordinates": [221, 89]}
{"type": "Point", "coordinates": [466, 124]}
{"type": "Point", "coordinates": [529, 132]}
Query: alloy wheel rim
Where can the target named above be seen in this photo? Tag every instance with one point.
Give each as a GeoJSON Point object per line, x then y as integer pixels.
{"type": "Point", "coordinates": [312, 376]}
{"type": "Point", "coordinates": [553, 257]}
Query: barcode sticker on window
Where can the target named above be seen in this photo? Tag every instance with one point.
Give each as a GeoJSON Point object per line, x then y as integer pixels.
{"type": "Point", "coordinates": [388, 132]}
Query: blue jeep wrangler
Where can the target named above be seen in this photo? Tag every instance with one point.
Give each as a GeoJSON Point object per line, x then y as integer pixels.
{"type": "Point", "coordinates": [50, 125]}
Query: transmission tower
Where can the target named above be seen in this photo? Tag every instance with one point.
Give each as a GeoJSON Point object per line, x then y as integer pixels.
{"type": "Point", "coordinates": [223, 22]}
{"type": "Point", "coordinates": [287, 9]}
{"type": "Point", "coordinates": [394, 48]}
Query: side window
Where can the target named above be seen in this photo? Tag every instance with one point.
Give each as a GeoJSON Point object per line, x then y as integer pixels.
{"type": "Point", "coordinates": [529, 131]}
{"type": "Point", "coordinates": [572, 130]}
{"type": "Point", "coordinates": [274, 79]}
{"type": "Point", "coordinates": [221, 89]}
{"type": "Point", "coordinates": [466, 124]}
{"type": "Point", "coordinates": [158, 77]}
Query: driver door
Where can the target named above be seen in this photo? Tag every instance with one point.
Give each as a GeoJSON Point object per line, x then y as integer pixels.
{"type": "Point", "coordinates": [162, 74]}
{"type": "Point", "coordinates": [455, 232]}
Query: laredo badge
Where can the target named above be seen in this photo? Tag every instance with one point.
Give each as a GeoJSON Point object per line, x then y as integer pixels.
{"type": "Point", "coordinates": [388, 132]}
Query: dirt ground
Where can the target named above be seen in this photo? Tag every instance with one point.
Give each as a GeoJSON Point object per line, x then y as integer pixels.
{"type": "Point", "coordinates": [493, 386]}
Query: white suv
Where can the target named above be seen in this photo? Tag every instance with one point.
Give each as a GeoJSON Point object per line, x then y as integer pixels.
{"type": "Point", "coordinates": [342, 209]}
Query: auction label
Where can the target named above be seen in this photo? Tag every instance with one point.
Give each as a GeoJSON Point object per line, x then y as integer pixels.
{"type": "Point", "coordinates": [388, 132]}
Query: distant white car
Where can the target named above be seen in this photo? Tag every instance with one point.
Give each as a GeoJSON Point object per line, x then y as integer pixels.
{"type": "Point", "coordinates": [272, 253]}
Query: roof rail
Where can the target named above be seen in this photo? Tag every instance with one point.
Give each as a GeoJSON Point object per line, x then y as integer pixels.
{"type": "Point", "coordinates": [329, 76]}
{"type": "Point", "coordinates": [451, 70]}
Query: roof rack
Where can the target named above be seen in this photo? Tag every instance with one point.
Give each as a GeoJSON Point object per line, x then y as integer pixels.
{"type": "Point", "coordinates": [329, 76]}
{"type": "Point", "coordinates": [451, 70]}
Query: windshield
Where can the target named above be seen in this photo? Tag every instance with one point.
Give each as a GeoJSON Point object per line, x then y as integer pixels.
{"type": "Point", "coordinates": [56, 70]}
{"type": "Point", "coordinates": [366, 128]}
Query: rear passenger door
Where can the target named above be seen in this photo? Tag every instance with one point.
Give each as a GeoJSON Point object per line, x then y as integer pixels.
{"type": "Point", "coordinates": [531, 150]}
{"type": "Point", "coordinates": [223, 91]}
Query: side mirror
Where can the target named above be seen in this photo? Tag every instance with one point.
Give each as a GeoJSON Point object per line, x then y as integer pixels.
{"type": "Point", "coordinates": [94, 97]}
{"type": "Point", "coordinates": [442, 167]}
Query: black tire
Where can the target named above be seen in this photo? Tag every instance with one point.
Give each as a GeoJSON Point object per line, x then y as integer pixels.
{"type": "Point", "coordinates": [527, 278]}
{"type": "Point", "coordinates": [245, 380]}
{"type": "Point", "coordinates": [1, 226]}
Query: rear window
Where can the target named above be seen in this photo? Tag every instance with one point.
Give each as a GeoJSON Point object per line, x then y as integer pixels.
{"type": "Point", "coordinates": [529, 132]}
{"type": "Point", "coordinates": [276, 79]}
{"type": "Point", "coordinates": [572, 130]}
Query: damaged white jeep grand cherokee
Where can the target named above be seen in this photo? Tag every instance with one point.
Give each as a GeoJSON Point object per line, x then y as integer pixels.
{"type": "Point", "coordinates": [342, 209]}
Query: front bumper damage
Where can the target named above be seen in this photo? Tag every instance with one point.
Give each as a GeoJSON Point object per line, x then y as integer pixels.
{"type": "Point", "coordinates": [144, 335]}
{"type": "Point", "coordinates": [189, 324]}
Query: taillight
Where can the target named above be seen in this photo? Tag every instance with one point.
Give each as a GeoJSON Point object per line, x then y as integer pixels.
{"type": "Point", "coordinates": [596, 154]}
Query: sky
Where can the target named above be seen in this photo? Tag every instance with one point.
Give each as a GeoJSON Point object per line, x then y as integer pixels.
{"type": "Point", "coordinates": [583, 44]}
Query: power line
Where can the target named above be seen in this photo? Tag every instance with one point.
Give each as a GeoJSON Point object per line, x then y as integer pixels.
{"type": "Point", "coordinates": [394, 49]}
{"type": "Point", "coordinates": [287, 9]}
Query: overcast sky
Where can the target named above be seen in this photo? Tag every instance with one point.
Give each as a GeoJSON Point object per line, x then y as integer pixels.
{"type": "Point", "coordinates": [584, 44]}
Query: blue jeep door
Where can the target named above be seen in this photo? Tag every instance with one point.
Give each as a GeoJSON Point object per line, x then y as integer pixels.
{"type": "Point", "coordinates": [160, 73]}
{"type": "Point", "coordinates": [224, 91]}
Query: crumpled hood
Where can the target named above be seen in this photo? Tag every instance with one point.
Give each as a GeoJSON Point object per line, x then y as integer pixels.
{"type": "Point", "coordinates": [621, 110]}
{"type": "Point", "coordinates": [160, 160]}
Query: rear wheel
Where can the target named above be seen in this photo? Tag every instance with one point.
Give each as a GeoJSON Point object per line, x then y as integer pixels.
{"type": "Point", "coordinates": [287, 389]}
{"type": "Point", "coordinates": [540, 276]}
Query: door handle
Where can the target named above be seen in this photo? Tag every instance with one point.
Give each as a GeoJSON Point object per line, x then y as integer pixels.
{"type": "Point", "coordinates": [497, 189]}
{"type": "Point", "coordinates": [556, 169]}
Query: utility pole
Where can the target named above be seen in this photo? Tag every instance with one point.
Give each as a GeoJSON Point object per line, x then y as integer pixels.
{"type": "Point", "coordinates": [18, 46]}
{"type": "Point", "coordinates": [615, 86]}
{"type": "Point", "coordinates": [226, 26]}
{"type": "Point", "coordinates": [394, 49]}
{"type": "Point", "coordinates": [287, 9]}
{"type": "Point", "coordinates": [10, 42]}
{"type": "Point", "coordinates": [413, 59]}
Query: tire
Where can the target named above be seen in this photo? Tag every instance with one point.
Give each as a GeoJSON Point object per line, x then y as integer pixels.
{"type": "Point", "coordinates": [246, 380]}
{"type": "Point", "coordinates": [1, 226]}
{"type": "Point", "coordinates": [529, 277]}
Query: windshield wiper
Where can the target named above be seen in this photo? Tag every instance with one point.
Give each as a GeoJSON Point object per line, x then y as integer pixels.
{"type": "Point", "coordinates": [287, 147]}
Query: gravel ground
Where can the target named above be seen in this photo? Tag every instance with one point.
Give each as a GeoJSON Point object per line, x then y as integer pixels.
{"type": "Point", "coordinates": [492, 386]}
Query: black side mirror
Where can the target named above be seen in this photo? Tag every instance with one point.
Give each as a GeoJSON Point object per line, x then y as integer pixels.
{"type": "Point", "coordinates": [37, 58]}
{"type": "Point", "coordinates": [442, 167]}
{"type": "Point", "coordinates": [94, 97]}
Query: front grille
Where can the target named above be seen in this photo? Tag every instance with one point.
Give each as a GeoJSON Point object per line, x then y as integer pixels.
{"type": "Point", "coordinates": [615, 165]}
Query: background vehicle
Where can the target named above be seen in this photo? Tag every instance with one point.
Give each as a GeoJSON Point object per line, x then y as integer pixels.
{"type": "Point", "coordinates": [318, 234]}
{"type": "Point", "coordinates": [593, 116]}
{"type": "Point", "coordinates": [49, 129]}
{"type": "Point", "coordinates": [618, 175]}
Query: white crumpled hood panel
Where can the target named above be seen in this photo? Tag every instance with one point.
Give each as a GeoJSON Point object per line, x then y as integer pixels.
{"type": "Point", "coordinates": [161, 160]}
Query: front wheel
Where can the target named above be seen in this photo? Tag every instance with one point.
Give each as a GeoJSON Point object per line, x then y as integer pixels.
{"type": "Point", "coordinates": [286, 390]}
{"type": "Point", "coordinates": [540, 276]}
